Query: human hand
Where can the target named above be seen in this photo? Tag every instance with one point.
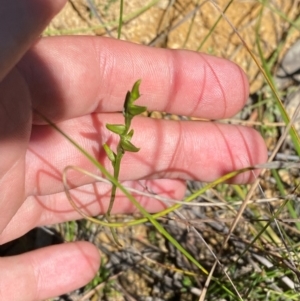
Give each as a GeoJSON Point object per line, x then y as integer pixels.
{"type": "Point", "coordinates": [80, 83]}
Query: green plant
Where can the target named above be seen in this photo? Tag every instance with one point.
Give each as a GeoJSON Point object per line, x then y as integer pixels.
{"type": "Point", "coordinates": [125, 133]}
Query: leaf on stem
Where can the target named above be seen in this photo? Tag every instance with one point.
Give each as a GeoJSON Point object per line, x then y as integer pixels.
{"type": "Point", "coordinates": [128, 146]}
{"type": "Point", "coordinates": [110, 154]}
{"type": "Point", "coordinates": [130, 109]}
{"type": "Point", "coordinates": [119, 129]}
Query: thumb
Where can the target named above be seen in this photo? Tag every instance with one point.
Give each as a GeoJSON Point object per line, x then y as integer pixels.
{"type": "Point", "coordinates": [21, 22]}
{"type": "Point", "coordinates": [48, 272]}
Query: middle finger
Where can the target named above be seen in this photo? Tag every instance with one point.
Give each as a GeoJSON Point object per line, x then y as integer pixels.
{"type": "Point", "coordinates": [184, 150]}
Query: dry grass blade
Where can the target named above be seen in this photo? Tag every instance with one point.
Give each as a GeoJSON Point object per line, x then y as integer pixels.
{"type": "Point", "coordinates": [256, 183]}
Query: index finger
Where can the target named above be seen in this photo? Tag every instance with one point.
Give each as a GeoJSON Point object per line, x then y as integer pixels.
{"type": "Point", "coordinates": [75, 76]}
{"type": "Point", "coordinates": [21, 24]}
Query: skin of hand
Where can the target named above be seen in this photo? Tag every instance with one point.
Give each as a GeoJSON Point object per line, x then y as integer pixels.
{"type": "Point", "coordinates": [80, 83]}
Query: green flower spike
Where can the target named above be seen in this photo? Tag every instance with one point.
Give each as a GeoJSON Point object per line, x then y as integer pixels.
{"type": "Point", "coordinates": [123, 130]}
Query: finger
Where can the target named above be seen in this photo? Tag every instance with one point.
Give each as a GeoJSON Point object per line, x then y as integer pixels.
{"type": "Point", "coordinates": [92, 199]}
{"type": "Point", "coordinates": [201, 151]}
{"type": "Point", "coordinates": [65, 83]}
{"type": "Point", "coordinates": [48, 272]}
{"type": "Point", "coordinates": [21, 22]}
{"type": "Point", "coordinates": [15, 125]}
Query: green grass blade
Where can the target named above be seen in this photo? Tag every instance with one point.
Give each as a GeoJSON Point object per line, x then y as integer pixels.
{"type": "Point", "coordinates": [120, 19]}
{"type": "Point", "coordinates": [293, 133]}
{"type": "Point", "coordinates": [214, 26]}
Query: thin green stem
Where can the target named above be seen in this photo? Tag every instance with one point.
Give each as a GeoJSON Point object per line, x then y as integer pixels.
{"type": "Point", "coordinates": [213, 27]}
{"type": "Point", "coordinates": [117, 165]}
{"type": "Point", "coordinates": [120, 19]}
